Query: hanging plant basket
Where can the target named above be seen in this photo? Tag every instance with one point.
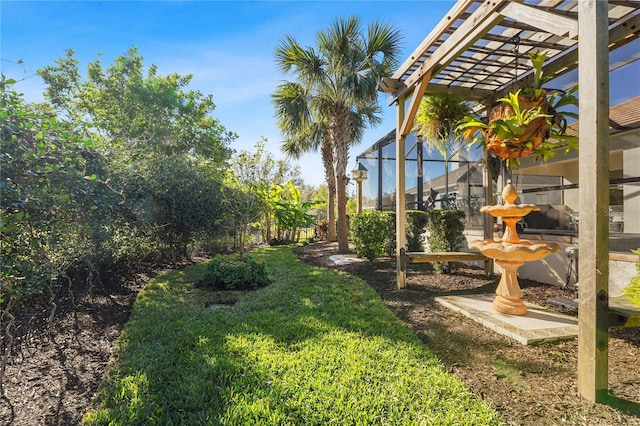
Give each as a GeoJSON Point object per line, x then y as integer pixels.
{"type": "Point", "coordinates": [525, 138]}
{"type": "Point", "coordinates": [525, 122]}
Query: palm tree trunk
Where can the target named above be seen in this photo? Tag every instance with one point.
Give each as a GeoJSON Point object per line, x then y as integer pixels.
{"type": "Point", "coordinates": [331, 214]}
{"type": "Point", "coordinates": [330, 177]}
{"type": "Point", "coordinates": [341, 145]}
{"type": "Point", "coordinates": [343, 235]}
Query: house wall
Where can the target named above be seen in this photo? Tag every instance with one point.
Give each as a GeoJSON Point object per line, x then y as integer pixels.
{"type": "Point", "coordinates": [631, 191]}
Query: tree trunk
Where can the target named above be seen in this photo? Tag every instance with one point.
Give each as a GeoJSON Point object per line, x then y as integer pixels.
{"type": "Point", "coordinates": [268, 227]}
{"type": "Point", "coordinates": [341, 133]}
{"type": "Point", "coordinates": [331, 214]}
{"type": "Point", "coordinates": [330, 176]}
{"type": "Point", "coordinates": [241, 243]}
{"type": "Point", "coordinates": [343, 235]}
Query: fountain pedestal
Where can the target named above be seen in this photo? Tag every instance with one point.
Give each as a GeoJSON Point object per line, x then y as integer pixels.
{"type": "Point", "coordinates": [511, 252]}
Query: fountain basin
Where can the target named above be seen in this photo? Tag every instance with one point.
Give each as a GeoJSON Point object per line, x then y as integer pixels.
{"type": "Point", "coordinates": [522, 251]}
{"type": "Point", "coordinates": [510, 210]}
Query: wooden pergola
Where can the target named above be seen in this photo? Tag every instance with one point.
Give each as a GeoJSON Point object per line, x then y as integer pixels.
{"type": "Point", "coordinates": [472, 55]}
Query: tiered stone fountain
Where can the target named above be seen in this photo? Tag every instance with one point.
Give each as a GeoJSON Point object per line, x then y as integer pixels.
{"type": "Point", "coordinates": [511, 252]}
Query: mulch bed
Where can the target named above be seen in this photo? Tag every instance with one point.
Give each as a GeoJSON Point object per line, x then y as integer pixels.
{"type": "Point", "coordinates": [55, 368]}
{"type": "Point", "coordinates": [528, 385]}
{"type": "Point", "coordinates": [53, 376]}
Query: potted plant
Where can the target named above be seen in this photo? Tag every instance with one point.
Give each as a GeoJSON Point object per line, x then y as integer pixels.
{"type": "Point", "coordinates": [525, 122]}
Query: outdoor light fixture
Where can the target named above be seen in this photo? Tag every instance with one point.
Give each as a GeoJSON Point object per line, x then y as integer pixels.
{"type": "Point", "coordinates": [359, 174]}
{"type": "Point", "coordinates": [388, 85]}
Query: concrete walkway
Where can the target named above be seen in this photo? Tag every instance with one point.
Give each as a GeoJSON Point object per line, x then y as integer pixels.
{"type": "Point", "coordinates": [538, 325]}
{"type": "Point", "coordinates": [345, 259]}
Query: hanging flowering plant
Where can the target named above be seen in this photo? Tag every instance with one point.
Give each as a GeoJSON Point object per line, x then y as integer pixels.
{"type": "Point", "coordinates": [525, 122]}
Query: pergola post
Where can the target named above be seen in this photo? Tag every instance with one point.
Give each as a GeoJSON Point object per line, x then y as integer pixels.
{"type": "Point", "coordinates": [401, 244]}
{"type": "Point", "coordinates": [405, 117]}
{"type": "Point", "coordinates": [593, 335]}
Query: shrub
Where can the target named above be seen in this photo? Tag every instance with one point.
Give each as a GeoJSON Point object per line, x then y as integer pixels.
{"type": "Point", "coordinates": [229, 272]}
{"type": "Point", "coordinates": [445, 233]}
{"type": "Point", "coordinates": [280, 242]}
{"type": "Point", "coordinates": [416, 221]}
{"type": "Point", "coordinates": [371, 231]}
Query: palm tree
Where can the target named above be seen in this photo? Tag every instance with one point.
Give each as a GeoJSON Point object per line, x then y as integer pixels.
{"type": "Point", "coordinates": [334, 98]}
{"type": "Point", "coordinates": [436, 120]}
{"type": "Point", "coordinates": [305, 133]}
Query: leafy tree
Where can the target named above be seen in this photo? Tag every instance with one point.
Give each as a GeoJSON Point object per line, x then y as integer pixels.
{"type": "Point", "coordinates": [243, 206]}
{"type": "Point", "coordinates": [334, 97]}
{"type": "Point", "coordinates": [260, 171]}
{"type": "Point", "coordinates": [260, 195]}
{"type": "Point", "coordinates": [291, 212]}
{"type": "Point", "coordinates": [164, 149]}
{"type": "Point", "coordinates": [146, 113]}
{"type": "Point", "coordinates": [182, 198]}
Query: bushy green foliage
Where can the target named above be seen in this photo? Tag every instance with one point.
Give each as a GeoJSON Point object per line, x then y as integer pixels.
{"type": "Point", "coordinates": [445, 233]}
{"type": "Point", "coordinates": [272, 200]}
{"type": "Point", "coordinates": [114, 168]}
{"type": "Point", "coordinates": [181, 196]}
{"type": "Point", "coordinates": [633, 289]}
{"type": "Point", "coordinates": [54, 211]}
{"type": "Point", "coordinates": [164, 150]}
{"type": "Point", "coordinates": [230, 272]}
{"type": "Point", "coordinates": [416, 223]}
{"type": "Point", "coordinates": [132, 104]}
{"type": "Point", "coordinates": [371, 230]}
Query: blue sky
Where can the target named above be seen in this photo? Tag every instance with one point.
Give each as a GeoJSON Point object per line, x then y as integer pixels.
{"type": "Point", "coordinates": [227, 45]}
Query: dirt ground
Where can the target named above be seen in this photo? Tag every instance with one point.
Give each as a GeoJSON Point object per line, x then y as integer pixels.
{"type": "Point", "coordinates": [54, 371]}
{"type": "Point", "coordinates": [52, 377]}
{"type": "Point", "coordinates": [528, 385]}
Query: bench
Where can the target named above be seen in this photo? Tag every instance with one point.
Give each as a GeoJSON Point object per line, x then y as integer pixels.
{"type": "Point", "coordinates": [447, 256]}
{"type": "Point", "coordinates": [623, 313]}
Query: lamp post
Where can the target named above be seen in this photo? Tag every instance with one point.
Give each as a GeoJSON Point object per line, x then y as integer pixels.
{"type": "Point", "coordinates": [359, 174]}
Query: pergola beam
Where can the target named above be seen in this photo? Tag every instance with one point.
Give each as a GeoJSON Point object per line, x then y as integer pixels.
{"type": "Point", "coordinates": [546, 21]}
{"type": "Point", "coordinates": [401, 239]}
{"type": "Point", "coordinates": [458, 10]}
{"type": "Point", "coordinates": [477, 25]}
{"type": "Point", "coordinates": [460, 92]}
{"type": "Point", "coordinates": [407, 123]}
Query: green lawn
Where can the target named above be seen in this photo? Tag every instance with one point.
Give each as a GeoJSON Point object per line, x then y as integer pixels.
{"type": "Point", "coordinates": [316, 347]}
